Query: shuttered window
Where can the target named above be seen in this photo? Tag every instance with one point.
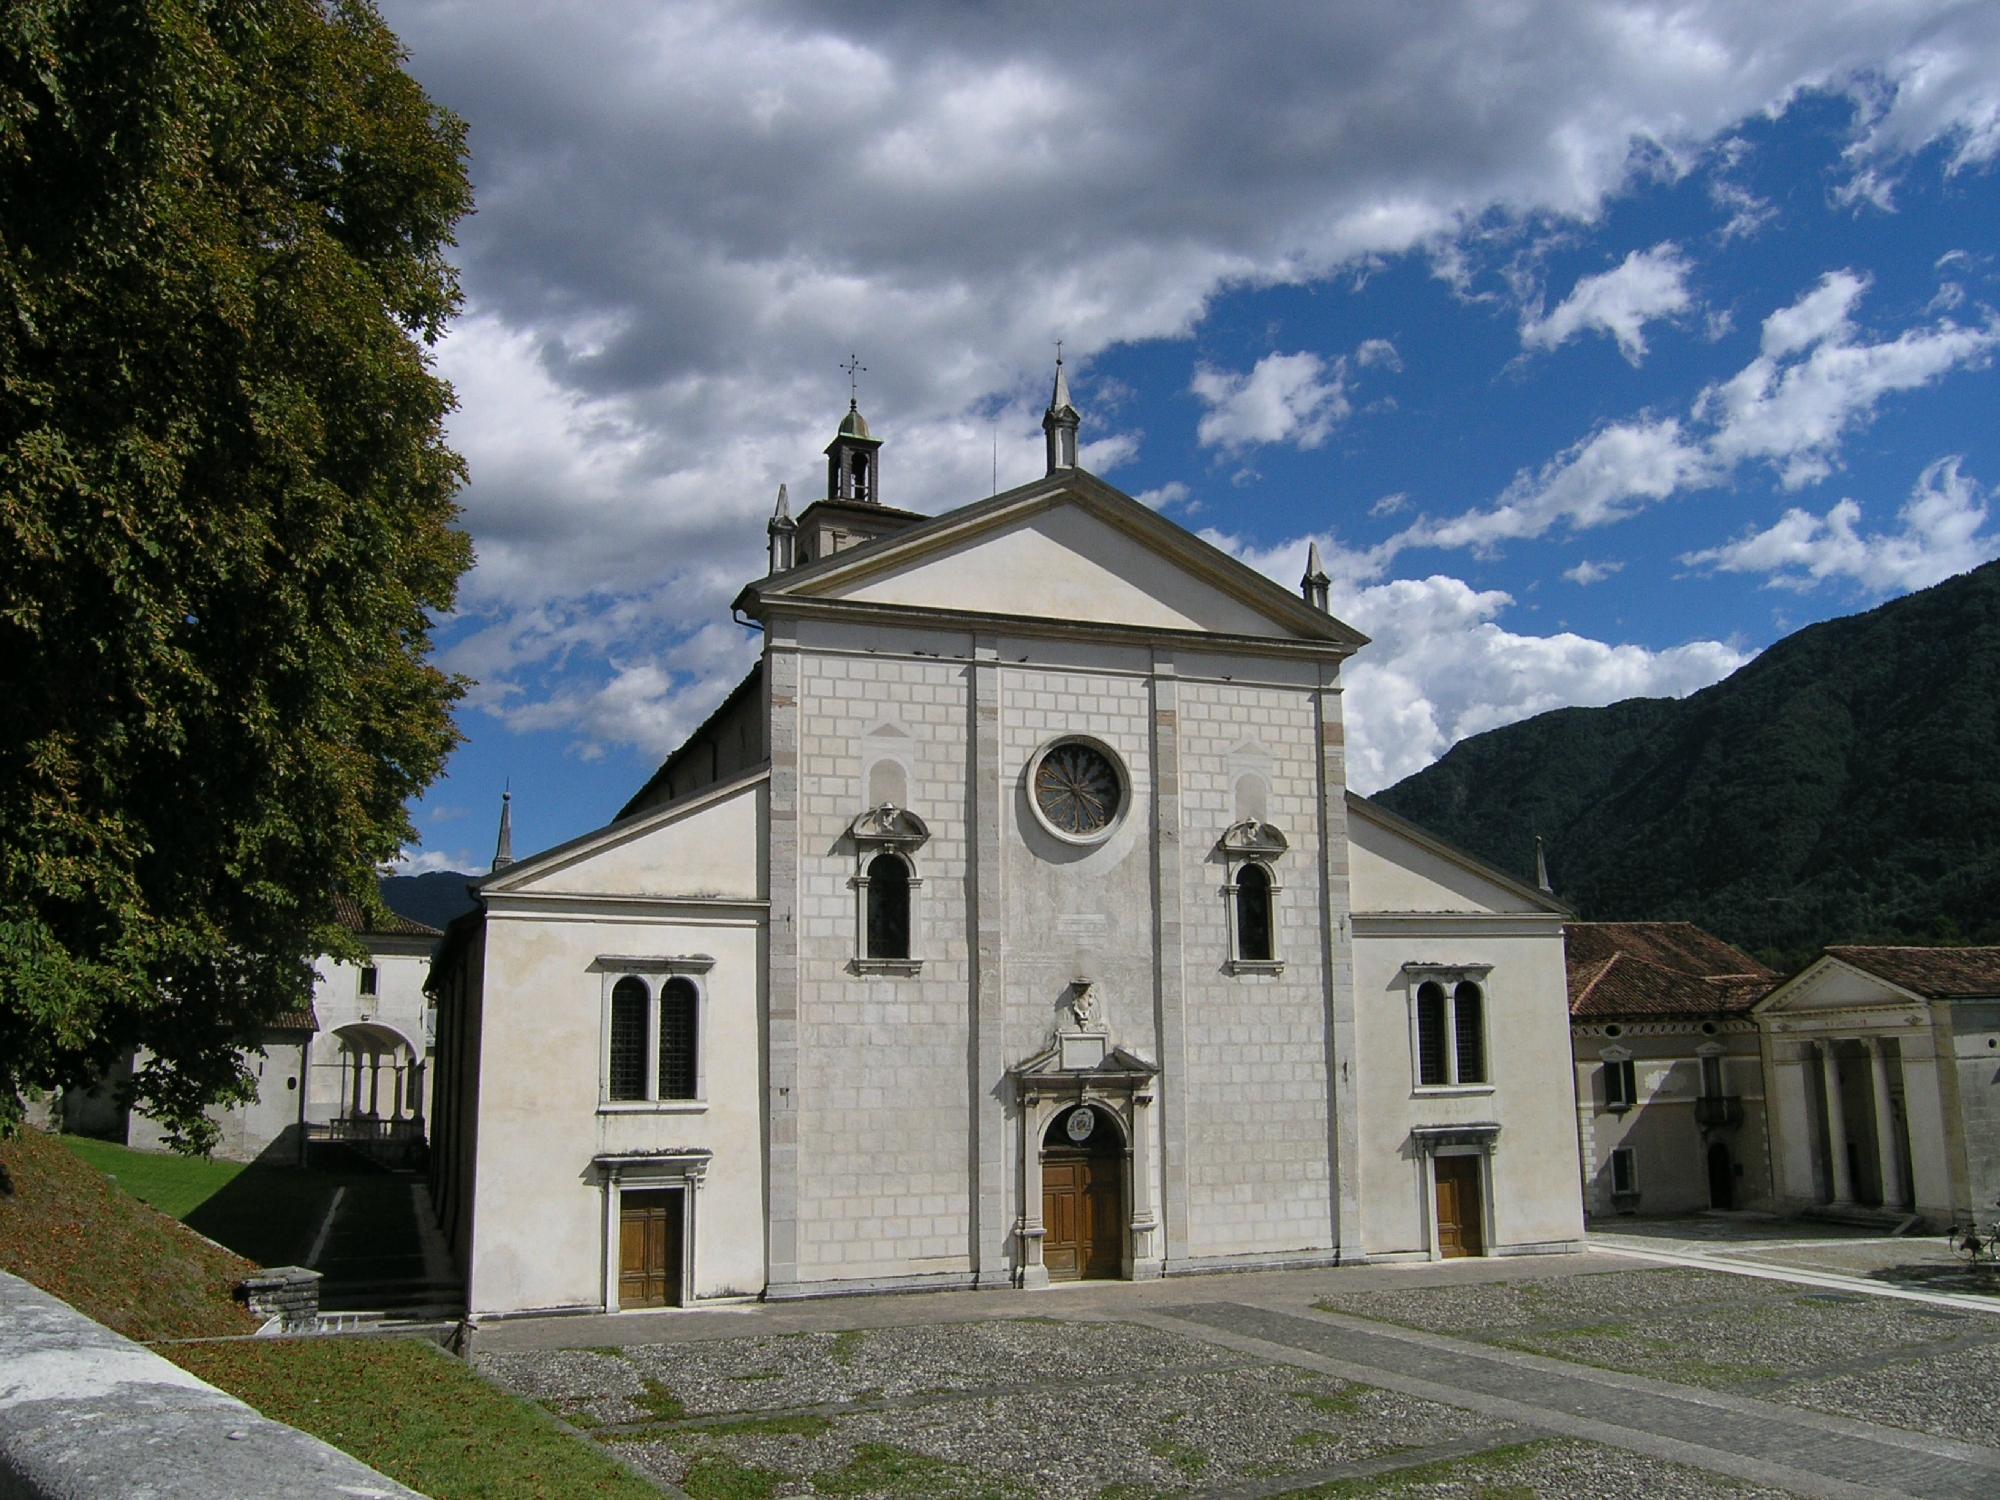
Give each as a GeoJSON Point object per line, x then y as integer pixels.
{"type": "Point", "coordinates": [627, 1073]}
{"type": "Point", "coordinates": [1432, 1067]}
{"type": "Point", "coordinates": [679, 1017]}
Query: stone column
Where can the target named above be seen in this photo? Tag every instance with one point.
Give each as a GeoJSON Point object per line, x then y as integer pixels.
{"type": "Point", "coordinates": [991, 1223]}
{"type": "Point", "coordinates": [1145, 1258]}
{"type": "Point", "coordinates": [1895, 1192]}
{"type": "Point", "coordinates": [1836, 1126]}
{"type": "Point", "coordinates": [1034, 1272]}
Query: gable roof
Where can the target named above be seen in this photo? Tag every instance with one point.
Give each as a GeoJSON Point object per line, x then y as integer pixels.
{"type": "Point", "coordinates": [1934, 973]}
{"type": "Point", "coordinates": [348, 913]}
{"type": "Point", "coordinates": [1658, 969]}
{"type": "Point", "coordinates": [815, 583]}
{"type": "Point", "coordinates": [1376, 813]}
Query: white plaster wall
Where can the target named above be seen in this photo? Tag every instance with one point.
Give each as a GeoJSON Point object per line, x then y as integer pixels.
{"type": "Point", "coordinates": [716, 851]}
{"type": "Point", "coordinates": [539, 1209]}
{"type": "Point", "coordinates": [1670, 1151]}
{"type": "Point", "coordinates": [248, 1131]}
{"type": "Point", "coordinates": [398, 1004]}
{"type": "Point", "coordinates": [1389, 873]}
{"type": "Point", "coordinates": [1256, 1087]}
{"type": "Point", "coordinates": [1976, 1046]}
{"type": "Point", "coordinates": [1537, 1200]}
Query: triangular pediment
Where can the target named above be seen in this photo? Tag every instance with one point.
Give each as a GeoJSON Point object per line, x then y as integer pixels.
{"type": "Point", "coordinates": [706, 846]}
{"type": "Point", "coordinates": [1069, 548]}
{"type": "Point", "coordinates": [1828, 984]}
{"type": "Point", "coordinates": [1396, 867]}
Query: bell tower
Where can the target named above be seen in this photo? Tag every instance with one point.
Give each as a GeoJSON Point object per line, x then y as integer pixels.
{"type": "Point", "coordinates": [852, 511]}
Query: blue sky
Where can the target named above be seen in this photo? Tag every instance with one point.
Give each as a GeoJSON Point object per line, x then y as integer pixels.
{"type": "Point", "coordinates": [1597, 345]}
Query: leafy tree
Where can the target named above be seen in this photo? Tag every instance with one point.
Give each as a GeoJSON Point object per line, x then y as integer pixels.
{"type": "Point", "coordinates": [226, 516]}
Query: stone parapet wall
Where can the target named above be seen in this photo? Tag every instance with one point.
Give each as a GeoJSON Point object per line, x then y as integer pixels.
{"type": "Point", "coordinates": [287, 1293]}
{"type": "Point", "coordinates": [84, 1411]}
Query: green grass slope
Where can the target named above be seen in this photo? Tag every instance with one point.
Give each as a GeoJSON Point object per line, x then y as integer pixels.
{"type": "Point", "coordinates": [1842, 787]}
{"type": "Point", "coordinates": [77, 1235]}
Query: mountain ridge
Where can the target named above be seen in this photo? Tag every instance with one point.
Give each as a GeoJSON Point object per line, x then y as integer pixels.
{"type": "Point", "coordinates": [1840, 787]}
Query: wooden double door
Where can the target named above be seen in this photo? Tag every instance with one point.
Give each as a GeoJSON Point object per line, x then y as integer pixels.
{"type": "Point", "coordinates": [1083, 1210]}
{"type": "Point", "coordinates": [1461, 1210]}
{"type": "Point", "coordinates": [652, 1231]}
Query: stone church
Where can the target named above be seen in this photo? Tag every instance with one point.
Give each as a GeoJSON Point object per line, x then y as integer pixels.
{"type": "Point", "coordinates": [1010, 923]}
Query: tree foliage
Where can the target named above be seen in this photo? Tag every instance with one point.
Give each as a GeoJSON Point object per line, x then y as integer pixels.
{"type": "Point", "coordinates": [1842, 787]}
{"type": "Point", "coordinates": [226, 514]}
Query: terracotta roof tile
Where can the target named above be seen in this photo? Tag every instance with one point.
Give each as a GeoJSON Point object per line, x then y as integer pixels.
{"type": "Point", "coordinates": [1641, 969]}
{"type": "Point", "coordinates": [347, 911]}
{"type": "Point", "coordinates": [1937, 973]}
{"type": "Point", "coordinates": [304, 1019]}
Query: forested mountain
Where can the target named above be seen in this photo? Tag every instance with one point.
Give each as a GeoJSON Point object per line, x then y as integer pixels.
{"type": "Point", "coordinates": [1842, 787]}
{"type": "Point", "coordinates": [434, 898]}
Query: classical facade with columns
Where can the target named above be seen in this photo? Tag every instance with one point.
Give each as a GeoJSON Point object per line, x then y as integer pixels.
{"type": "Point", "coordinates": [1010, 923]}
{"type": "Point", "coordinates": [1884, 1068]}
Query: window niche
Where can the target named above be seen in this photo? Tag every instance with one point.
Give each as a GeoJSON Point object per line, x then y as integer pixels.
{"type": "Point", "coordinates": [1448, 1048]}
{"type": "Point", "coordinates": [887, 888]}
{"type": "Point", "coordinates": [655, 1021]}
{"type": "Point", "coordinates": [1250, 850]}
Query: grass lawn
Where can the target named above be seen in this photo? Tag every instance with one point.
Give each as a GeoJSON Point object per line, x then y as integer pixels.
{"type": "Point", "coordinates": [74, 1233]}
{"type": "Point", "coordinates": [415, 1413]}
{"type": "Point", "coordinates": [174, 1184]}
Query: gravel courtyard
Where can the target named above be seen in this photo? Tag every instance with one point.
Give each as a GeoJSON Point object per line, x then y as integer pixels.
{"type": "Point", "coordinates": [1593, 1376]}
{"type": "Point", "coordinates": [1081, 1410]}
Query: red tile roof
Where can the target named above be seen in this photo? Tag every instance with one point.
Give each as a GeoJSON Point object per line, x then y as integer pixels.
{"type": "Point", "coordinates": [1936, 973]}
{"type": "Point", "coordinates": [304, 1019]}
{"type": "Point", "coordinates": [347, 911]}
{"type": "Point", "coordinates": [1658, 969]}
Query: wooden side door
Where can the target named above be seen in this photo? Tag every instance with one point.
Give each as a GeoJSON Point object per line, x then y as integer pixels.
{"type": "Point", "coordinates": [1103, 1253]}
{"type": "Point", "coordinates": [650, 1248]}
{"type": "Point", "coordinates": [1064, 1206]}
{"type": "Point", "coordinates": [1460, 1214]}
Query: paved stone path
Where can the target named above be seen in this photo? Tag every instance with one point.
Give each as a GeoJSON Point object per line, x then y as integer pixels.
{"type": "Point", "coordinates": [1810, 1453]}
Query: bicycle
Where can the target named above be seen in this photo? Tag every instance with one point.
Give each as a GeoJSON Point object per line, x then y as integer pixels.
{"type": "Point", "coordinates": [1977, 1247]}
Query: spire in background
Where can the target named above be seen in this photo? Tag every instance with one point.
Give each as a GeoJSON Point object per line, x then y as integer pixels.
{"type": "Point", "coordinates": [1314, 587]}
{"type": "Point", "coordinates": [1542, 868]}
{"type": "Point", "coordinates": [503, 852]}
{"type": "Point", "coordinates": [1061, 421]}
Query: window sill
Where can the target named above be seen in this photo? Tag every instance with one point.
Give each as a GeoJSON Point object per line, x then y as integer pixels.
{"type": "Point", "coordinates": [652, 1106]}
{"type": "Point", "coordinates": [901, 966]}
{"type": "Point", "coordinates": [1256, 966]}
{"type": "Point", "coordinates": [1451, 1090]}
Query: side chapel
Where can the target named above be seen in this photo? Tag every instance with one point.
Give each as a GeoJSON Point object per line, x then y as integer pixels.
{"type": "Point", "coordinates": [1010, 923]}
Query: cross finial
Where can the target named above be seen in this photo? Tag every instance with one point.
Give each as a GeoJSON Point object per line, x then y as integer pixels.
{"type": "Point", "coordinates": [854, 366]}
{"type": "Point", "coordinates": [1059, 344]}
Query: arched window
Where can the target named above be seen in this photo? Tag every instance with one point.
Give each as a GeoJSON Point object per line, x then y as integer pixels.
{"type": "Point", "coordinates": [1469, 1031]}
{"type": "Point", "coordinates": [1253, 914]}
{"type": "Point", "coordinates": [888, 907]}
{"type": "Point", "coordinates": [1433, 1067]}
{"type": "Point", "coordinates": [680, 1016]}
{"type": "Point", "coordinates": [626, 1078]}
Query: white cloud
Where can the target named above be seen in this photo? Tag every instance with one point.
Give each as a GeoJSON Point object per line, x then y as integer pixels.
{"type": "Point", "coordinates": [1646, 286]}
{"type": "Point", "coordinates": [1173, 492]}
{"type": "Point", "coordinates": [1390, 505]}
{"type": "Point", "coordinates": [1286, 398]}
{"type": "Point", "coordinates": [1587, 572]}
{"type": "Point", "coordinates": [1439, 667]}
{"type": "Point", "coordinates": [1793, 412]}
{"type": "Point", "coordinates": [428, 861]}
{"type": "Point", "coordinates": [688, 214]}
{"type": "Point", "coordinates": [1941, 535]}
{"type": "Point", "coordinates": [1381, 352]}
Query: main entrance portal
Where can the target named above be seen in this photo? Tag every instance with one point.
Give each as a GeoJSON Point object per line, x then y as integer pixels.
{"type": "Point", "coordinates": [1083, 1197]}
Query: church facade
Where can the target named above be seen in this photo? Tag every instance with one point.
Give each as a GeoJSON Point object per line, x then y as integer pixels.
{"type": "Point", "coordinates": [1011, 922]}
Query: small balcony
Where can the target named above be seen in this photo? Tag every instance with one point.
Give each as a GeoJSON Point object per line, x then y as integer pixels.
{"type": "Point", "coordinates": [1718, 1111]}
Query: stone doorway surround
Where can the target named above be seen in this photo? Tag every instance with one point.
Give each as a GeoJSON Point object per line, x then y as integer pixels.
{"type": "Point", "coordinates": [1477, 1140]}
{"type": "Point", "coordinates": [1082, 1066]}
{"type": "Point", "coordinates": [645, 1172]}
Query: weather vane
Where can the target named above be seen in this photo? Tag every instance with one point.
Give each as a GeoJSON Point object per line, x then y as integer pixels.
{"type": "Point", "coordinates": [854, 366]}
{"type": "Point", "coordinates": [1059, 344]}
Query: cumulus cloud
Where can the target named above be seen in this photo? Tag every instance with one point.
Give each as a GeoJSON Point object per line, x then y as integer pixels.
{"type": "Point", "coordinates": [1587, 572]}
{"type": "Point", "coordinates": [1646, 286]}
{"type": "Point", "coordinates": [1941, 534]}
{"type": "Point", "coordinates": [688, 215]}
{"type": "Point", "coordinates": [1286, 398]}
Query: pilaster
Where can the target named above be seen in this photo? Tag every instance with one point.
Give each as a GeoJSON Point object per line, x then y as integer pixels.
{"type": "Point", "coordinates": [1169, 975]}
{"type": "Point", "coordinates": [991, 1225]}
{"type": "Point", "coordinates": [1337, 964]}
{"type": "Point", "coordinates": [781, 1004]}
